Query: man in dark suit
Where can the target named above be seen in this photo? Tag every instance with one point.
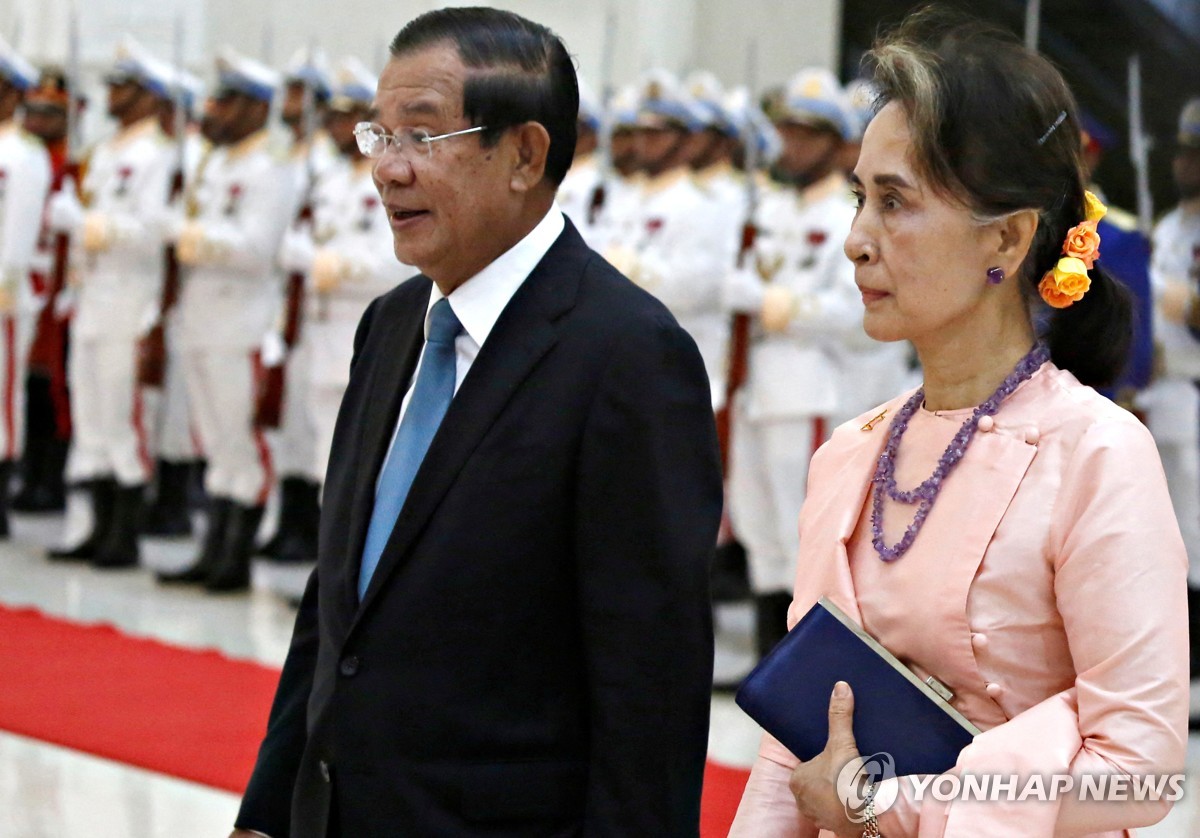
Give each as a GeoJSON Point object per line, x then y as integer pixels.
{"type": "Point", "coordinates": [508, 631]}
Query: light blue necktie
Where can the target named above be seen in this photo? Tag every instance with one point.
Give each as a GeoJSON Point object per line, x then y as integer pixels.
{"type": "Point", "coordinates": [431, 396]}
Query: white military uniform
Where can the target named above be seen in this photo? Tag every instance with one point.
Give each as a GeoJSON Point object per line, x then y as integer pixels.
{"type": "Point", "coordinates": [679, 247]}
{"type": "Point", "coordinates": [794, 386]}
{"type": "Point", "coordinates": [120, 282]}
{"type": "Point", "coordinates": [575, 195]}
{"type": "Point", "coordinates": [245, 199]}
{"type": "Point", "coordinates": [174, 437]}
{"type": "Point", "coordinates": [354, 248]}
{"type": "Point", "coordinates": [25, 178]}
{"type": "Point", "coordinates": [296, 448]}
{"type": "Point", "coordinates": [1172, 401]}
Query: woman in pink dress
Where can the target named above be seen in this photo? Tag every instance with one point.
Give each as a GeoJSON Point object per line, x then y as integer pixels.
{"type": "Point", "coordinates": [1004, 528]}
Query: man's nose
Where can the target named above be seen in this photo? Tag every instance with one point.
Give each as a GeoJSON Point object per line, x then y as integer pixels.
{"type": "Point", "coordinates": [392, 167]}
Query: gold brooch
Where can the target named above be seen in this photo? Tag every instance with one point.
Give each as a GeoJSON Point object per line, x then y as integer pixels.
{"type": "Point", "coordinates": [870, 426]}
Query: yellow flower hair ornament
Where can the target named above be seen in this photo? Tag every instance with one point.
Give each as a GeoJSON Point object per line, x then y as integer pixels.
{"type": "Point", "coordinates": [1068, 280]}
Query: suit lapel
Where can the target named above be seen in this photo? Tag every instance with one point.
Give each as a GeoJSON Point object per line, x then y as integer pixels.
{"type": "Point", "coordinates": [523, 334]}
{"type": "Point", "coordinates": [390, 373]}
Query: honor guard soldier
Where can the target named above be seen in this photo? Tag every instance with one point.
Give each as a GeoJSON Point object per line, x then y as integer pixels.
{"type": "Point", "coordinates": [175, 447]}
{"type": "Point", "coordinates": [244, 200]}
{"type": "Point", "coordinates": [118, 274]}
{"type": "Point", "coordinates": [1172, 403]}
{"type": "Point", "coordinates": [577, 196]}
{"type": "Point", "coordinates": [24, 184]}
{"type": "Point", "coordinates": [798, 286]}
{"type": "Point", "coordinates": [348, 257]}
{"type": "Point", "coordinates": [47, 403]}
{"type": "Point", "coordinates": [677, 244]}
{"type": "Point", "coordinates": [308, 86]}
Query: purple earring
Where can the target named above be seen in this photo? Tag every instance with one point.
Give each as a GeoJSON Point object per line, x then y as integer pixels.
{"type": "Point", "coordinates": [995, 276]}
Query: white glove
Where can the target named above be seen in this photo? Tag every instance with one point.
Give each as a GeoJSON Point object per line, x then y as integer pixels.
{"type": "Point", "coordinates": [273, 351]}
{"type": "Point", "coordinates": [64, 303]}
{"type": "Point", "coordinates": [98, 232]}
{"type": "Point", "coordinates": [743, 291]}
{"type": "Point", "coordinates": [64, 212]}
{"type": "Point", "coordinates": [296, 252]}
{"type": "Point", "coordinates": [329, 270]}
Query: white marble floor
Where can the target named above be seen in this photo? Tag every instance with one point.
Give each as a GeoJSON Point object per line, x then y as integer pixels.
{"type": "Point", "coordinates": [52, 792]}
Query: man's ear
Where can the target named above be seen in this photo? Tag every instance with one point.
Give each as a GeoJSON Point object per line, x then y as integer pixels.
{"type": "Point", "coordinates": [1016, 236]}
{"type": "Point", "coordinates": [532, 145]}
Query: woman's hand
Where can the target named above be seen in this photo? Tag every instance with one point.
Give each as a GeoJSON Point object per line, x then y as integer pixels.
{"type": "Point", "coordinates": [814, 783]}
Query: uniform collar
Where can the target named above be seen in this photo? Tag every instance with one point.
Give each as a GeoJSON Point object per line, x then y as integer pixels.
{"type": "Point", "coordinates": [248, 145]}
{"type": "Point", "coordinates": [145, 125]}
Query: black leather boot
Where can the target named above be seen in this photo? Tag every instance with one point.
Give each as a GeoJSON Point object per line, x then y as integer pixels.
{"type": "Point", "coordinates": [104, 497]}
{"type": "Point", "coordinates": [296, 536]}
{"type": "Point", "coordinates": [232, 572]}
{"type": "Point", "coordinates": [770, 617]}
{"type": "Point", "coordinates": [120, 546]}
{"type": "Point", "coordinates": [168, 516]}
{"type": "Point", "coordinates": [33, 466]}
{"type": "Point", "coordinates": [211, 550]}
{"type": "Point", "coordinates": [730, 576]}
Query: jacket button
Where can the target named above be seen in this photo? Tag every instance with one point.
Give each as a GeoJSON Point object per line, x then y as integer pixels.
{"type": "Point", "coordinates": [349, 666]}
{"type": "Point", "coordinates": [324, 766]}
{"type": "Point", "coordinates": [994, 690]}
{"type": "Point", "coordinates": [979, 641]}
{"type": "Point", "coordinates": [1032, 436]}
{"type": "Point", "coordinates": [986, 423]}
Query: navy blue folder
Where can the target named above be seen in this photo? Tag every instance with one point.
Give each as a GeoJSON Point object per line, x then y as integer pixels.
{"type": "Point", "coordinates": [894, 711]}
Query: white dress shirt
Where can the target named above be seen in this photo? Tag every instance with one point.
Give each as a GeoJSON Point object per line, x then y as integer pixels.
{"type": "Point", "coordinates": [478, 302]}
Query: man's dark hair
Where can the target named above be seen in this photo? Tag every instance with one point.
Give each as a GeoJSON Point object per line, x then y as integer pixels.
{"type": "Point", "coordinates": [525, 74]}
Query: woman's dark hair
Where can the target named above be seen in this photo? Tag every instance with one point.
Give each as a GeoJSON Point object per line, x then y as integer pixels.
{"type": "Point", "coordinates": [995, 127]}
{"type": "Point", "coordinates": [524, 74]}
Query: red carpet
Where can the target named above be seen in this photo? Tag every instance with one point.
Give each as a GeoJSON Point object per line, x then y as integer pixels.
{"type": "Point", "coordinates": [190, 714]}
{"type": "Point", "coordinates": [195, 715]}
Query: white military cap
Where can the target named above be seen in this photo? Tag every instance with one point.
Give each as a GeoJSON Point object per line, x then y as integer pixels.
{"type": "Point", "coordinates": [353, 85]}
{"type": "Point", "coordinates": [706, 92]}
{"type": "Point", "coordinates": [1189, 124]}
{"type": "Point", "coordinates": [135, 64]}
{"type": "Point", "coordinates": [591, 112]}
{"type": "Point", "coordinates": [311, 67]}
{"type": "Point", "coordinates": [753, 125]}
{"type": "Point", "coordinates": [624, 107]}
{"type": "Point", "coordinates": [663, 101]}
{"type": "Point", "coordinates": [16, 70]}
{"type": "Point", "coordinates": [238, 74]}
{"type": "Point", "coordinates": [861, 96]}
{"type": "Point", "coordinates": [814, 97]}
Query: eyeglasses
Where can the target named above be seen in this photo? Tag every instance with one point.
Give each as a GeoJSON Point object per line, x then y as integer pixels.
{"type": "Point", "coordinates": [373, 140]}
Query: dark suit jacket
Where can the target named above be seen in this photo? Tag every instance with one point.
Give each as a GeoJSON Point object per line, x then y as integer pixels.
{"type": "Point", "coordinates": [534, 653]}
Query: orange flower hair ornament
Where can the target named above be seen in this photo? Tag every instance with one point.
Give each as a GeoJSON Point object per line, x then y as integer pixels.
{"type": "Point", "coordinates": [1068, 280]}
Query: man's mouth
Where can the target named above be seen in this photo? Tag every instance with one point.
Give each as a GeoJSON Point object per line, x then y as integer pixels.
{"type": "Point", "coordinates": [405, 215]}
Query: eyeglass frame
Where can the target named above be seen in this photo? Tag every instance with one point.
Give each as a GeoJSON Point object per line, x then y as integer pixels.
{"type": "Point", "coordinates": [392, 140]}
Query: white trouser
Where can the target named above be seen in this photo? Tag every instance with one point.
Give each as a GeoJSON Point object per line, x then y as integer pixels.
{"type": "Point", "coordinates": [108, 416]}
{"type": "Point", "coordinates": [1173, 412]}
{"type": "Point", "coordinates": [324, 401]}
{"type": "Point", "coordinates": [15, 334]}
{"type": "Point", "coordinates": [768, 473]}
{"type": "Point", "coordinates": [176, 439]}
{"type": "Point", "coordinates": [295, 451]}
{"type": "Point", "coordinates": [221, 384]}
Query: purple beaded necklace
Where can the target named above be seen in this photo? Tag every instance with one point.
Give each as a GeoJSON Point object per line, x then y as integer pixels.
{"type": "Point", "coordinates": [925, 494]}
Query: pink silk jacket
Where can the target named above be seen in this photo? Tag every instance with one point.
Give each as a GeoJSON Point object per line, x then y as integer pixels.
{"type": "Point", "coordinates": [1047, 590]}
